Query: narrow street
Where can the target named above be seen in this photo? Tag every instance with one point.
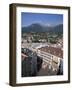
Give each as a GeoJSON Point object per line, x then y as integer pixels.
{"type": "Point", "coordinates": [45, 70]}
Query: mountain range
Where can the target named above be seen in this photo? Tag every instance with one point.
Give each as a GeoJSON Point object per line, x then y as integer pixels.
{"type": "Point", "coordinates": [36, 27]}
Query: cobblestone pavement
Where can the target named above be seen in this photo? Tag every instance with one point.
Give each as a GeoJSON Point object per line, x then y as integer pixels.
{"type": "Point", "coordinates": [45, 71]}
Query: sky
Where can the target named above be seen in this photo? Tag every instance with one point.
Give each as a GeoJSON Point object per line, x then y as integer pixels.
{"type": "Point", "coordinates": [44, 19]}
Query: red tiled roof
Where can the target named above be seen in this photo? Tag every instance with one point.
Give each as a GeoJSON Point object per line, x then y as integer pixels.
{"type": "Point", "coordinates": [53, 50]}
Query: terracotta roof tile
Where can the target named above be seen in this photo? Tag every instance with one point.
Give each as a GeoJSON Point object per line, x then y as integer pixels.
{"type": "Point", "coordinates": [53, 50]}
